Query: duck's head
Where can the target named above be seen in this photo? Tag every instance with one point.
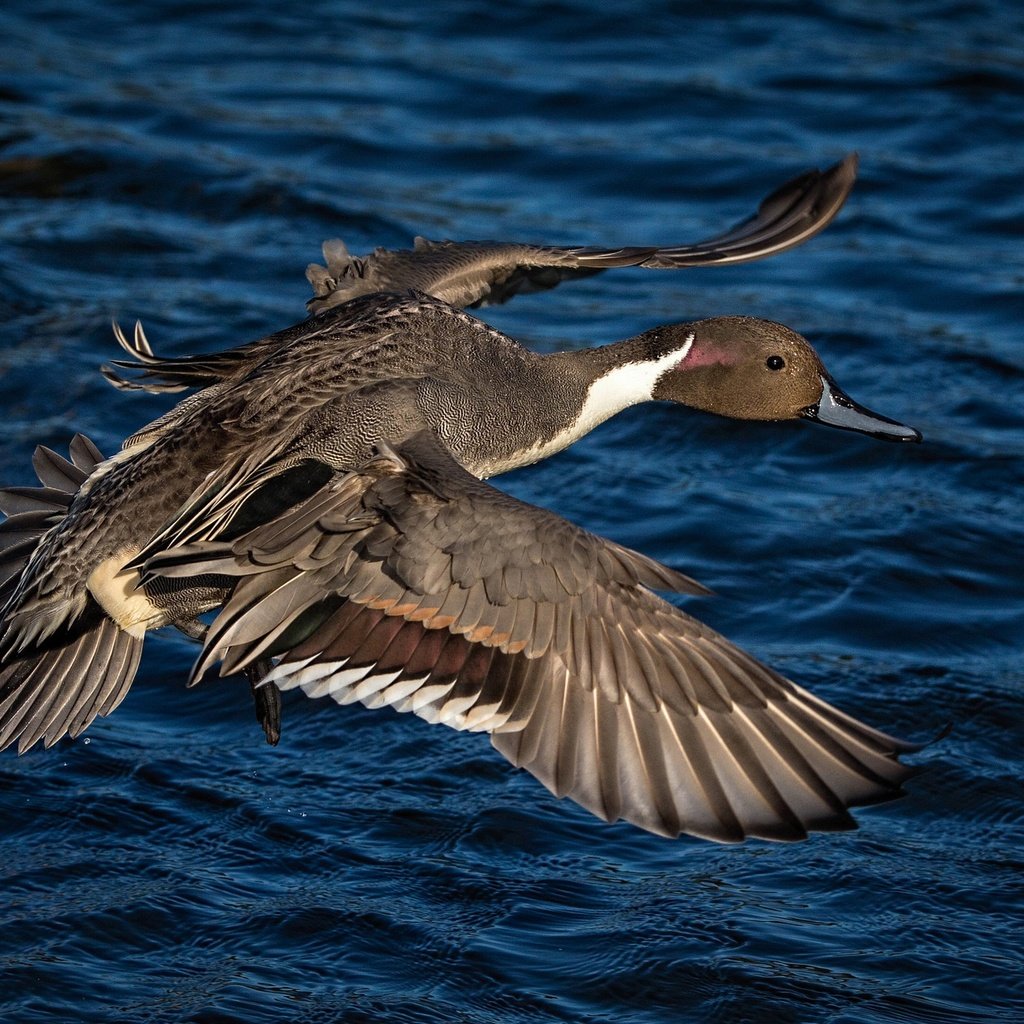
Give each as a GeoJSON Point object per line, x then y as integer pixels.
{"type": "Point", "coordinates": [751, 369]}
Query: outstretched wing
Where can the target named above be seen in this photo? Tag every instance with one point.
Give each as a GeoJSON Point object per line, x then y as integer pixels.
{"type": "Point", "coordinates": [412, 584]}
{"type": "Point", "coordinates": [487, 273]}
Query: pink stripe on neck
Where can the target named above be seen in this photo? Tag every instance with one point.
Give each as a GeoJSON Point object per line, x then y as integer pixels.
{"type": "Point", "coordinates": [704, 355]}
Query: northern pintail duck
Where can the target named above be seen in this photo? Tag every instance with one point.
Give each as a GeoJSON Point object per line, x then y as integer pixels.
{"type": "Point", "coordinates": [331, 503]}
{"type": "Point", "coordinates": [470, 274]}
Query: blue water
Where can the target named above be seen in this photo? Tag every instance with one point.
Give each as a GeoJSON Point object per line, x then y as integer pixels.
{"type": "Point", "coordinates": [181, 163]}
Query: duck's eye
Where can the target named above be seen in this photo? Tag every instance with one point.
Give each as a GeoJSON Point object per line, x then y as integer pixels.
{"type": "Point", "coordinates": [775, 362]}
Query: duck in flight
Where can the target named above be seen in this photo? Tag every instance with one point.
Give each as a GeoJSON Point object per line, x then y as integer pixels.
{"type": "Point", "coordinates": [326, 501]}
{"type": "Point", "coordinates": [472, 274]}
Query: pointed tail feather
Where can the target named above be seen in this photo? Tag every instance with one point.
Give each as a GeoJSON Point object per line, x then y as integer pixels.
{"type": "Point", "coordinates": [158, 375]}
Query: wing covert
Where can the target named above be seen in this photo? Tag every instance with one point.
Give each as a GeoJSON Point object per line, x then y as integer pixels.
{"type": "Point", "coordinates": [412, 584]}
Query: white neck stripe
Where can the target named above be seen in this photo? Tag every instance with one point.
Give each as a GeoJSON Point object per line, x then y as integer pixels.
{"type": "Point", "coordinates": [627, 385]}
{"type": "Point", "coordinates": [621, 387]}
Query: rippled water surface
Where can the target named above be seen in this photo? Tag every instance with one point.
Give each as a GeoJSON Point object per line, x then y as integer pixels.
{"type": "Point", "coordinates": [181, 163]}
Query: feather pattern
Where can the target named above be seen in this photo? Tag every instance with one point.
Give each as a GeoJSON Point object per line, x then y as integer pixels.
{"type": "Point", "coordinates": [426, 599]}
{"type": "Point", "coordinates": [60, 688]}
{"type": "Point", "coordinates": [32, 511]}
{"type": "Point", "coordinates": [63, 687]}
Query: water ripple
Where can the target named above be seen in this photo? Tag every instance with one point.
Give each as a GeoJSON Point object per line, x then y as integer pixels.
{"type": "Point", "coordinates": [183, 164]}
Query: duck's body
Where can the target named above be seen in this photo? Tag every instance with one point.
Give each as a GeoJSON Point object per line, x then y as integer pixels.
{"type": "Point", "coordinates": [383, 368]}
{"type": "Point", "coordinates": [327, 495]}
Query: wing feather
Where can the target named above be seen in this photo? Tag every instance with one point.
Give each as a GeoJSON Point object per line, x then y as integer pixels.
{"type": "Point", "coordinates": [486, 273]}
{"type": "Point", "coordinates": [412, 584]}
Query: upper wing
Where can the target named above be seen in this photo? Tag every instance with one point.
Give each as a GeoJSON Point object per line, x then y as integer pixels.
{"type": "Point", "coordinates": [413, 584]}
{"type": "Point", "coordinates": [481, 273]}
{"type": "Point", "coordinates": [487, 273]}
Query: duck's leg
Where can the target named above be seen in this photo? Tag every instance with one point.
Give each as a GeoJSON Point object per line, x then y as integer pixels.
{"type": "Point", "coordinates": [266, 698]}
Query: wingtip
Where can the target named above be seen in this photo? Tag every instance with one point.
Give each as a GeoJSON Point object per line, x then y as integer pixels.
{"type": "Point", "coordinates": [848, 166]}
